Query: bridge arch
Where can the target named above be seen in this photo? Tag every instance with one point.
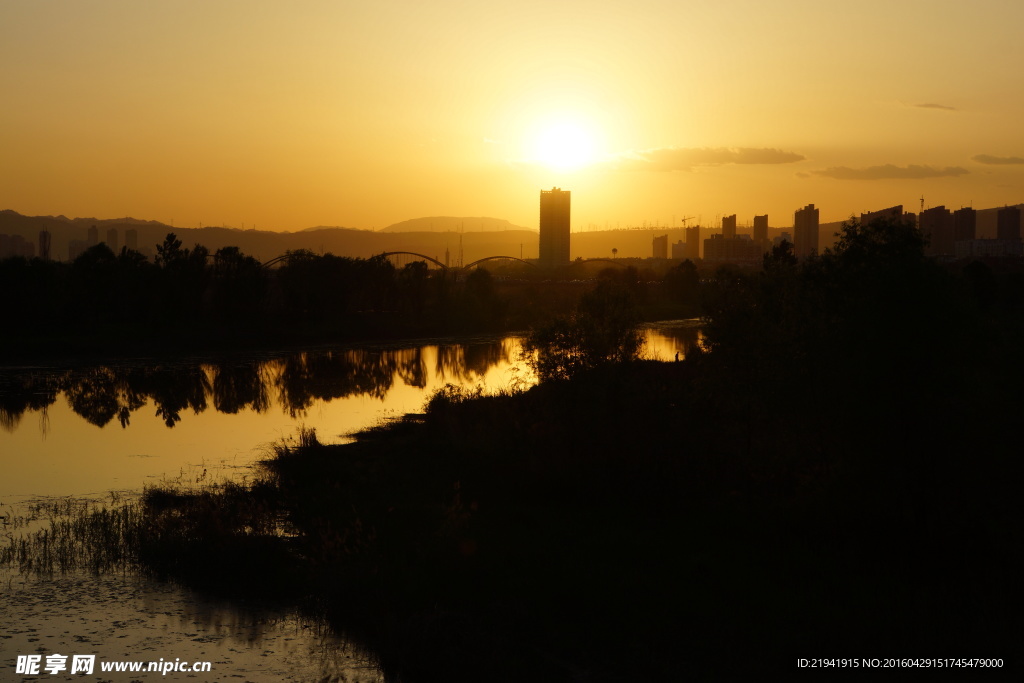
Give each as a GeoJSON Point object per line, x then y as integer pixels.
{"type": "Point", "coordinates": [413, 253]}
{"type": "Point", "coordinates": [274, 261]}
{"type": "Point", "coordinates": [494, 258]}
{"type": "Point", "coordinates": [618, 262]}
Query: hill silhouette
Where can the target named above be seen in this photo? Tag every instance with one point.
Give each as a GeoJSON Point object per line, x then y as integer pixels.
{"type": "Point", "coordinates": [453, 224]}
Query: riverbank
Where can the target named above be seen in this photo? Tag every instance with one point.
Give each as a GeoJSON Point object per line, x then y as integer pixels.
{"type": "Point", "coordinates": [53, 341]}
{"type": "Point", "coordinates": [607, 528]}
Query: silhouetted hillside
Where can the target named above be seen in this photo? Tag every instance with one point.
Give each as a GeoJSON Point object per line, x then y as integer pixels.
{"type": "Point", "coordinates": [266, 244]}
{"type": "Point", "coordinates": [453, 224]}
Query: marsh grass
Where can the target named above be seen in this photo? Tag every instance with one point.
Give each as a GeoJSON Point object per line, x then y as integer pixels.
{"type": "Point", "coordinates": [69, 534]}
{"type": "Point", "coordinates": [165, 530]}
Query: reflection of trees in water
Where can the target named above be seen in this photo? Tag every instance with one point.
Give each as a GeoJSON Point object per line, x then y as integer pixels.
{"type": "Point", "coordinates": [101, 394]}
{"type": "Point", "coordinates": [470, 362]}
{"type": "Point", "coordinates": [412, 367]}
{"type": "Point", "coordinates": [306, 377]}
{"type": "Point", "coordinates": [686, 339]}
{"type": "Point", "coordinates": [23, 392]}
{"type": "Point", "coordinates": [173, 389]}
{"type": "Point", "coordinates": [236, 387]}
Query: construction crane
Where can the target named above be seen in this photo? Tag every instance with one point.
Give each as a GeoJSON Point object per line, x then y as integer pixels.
{"type": "Point", "coordinates": [688, 218]}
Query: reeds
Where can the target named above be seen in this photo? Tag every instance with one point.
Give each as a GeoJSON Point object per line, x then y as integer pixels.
{"type": "Point", "coordinates": [68, 534]}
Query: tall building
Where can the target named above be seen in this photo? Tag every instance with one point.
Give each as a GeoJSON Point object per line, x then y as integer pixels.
{"type": "Point", "coordinates": [660, 246]}
{"type": "Point", "coordinates": [965, 224]}
{"type": "Point", "coordinates": [16, 245]}
{"type": "Point", "coordinates": [112, 239]}
{"type": "Point", "coordinates": [693, 243]}
{"type": "Point", "coordinates": [131, 239]}
{"type": "Point", "coordinates": [729, 227]}
{"type": "Point", "coordinates": [892, 213]}
{"type": "Point", "coordinates": [94, 236]}
{"type": "Point", "coordinates": [1008, 223]}
{"type": "Point", "coordinates": [937, 227]}
{"type": "Point", "coordinates": [805, 231]}
{"type": "Point", "coordinates": [554, 227]}
{"type": "Point", "coordinates": [761, 229]}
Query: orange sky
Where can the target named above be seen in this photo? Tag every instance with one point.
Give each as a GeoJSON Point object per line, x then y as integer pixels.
{"type": "Point", "coordinates": [287, 115]}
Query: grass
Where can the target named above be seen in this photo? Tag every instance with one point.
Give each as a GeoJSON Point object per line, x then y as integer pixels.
{"type": "Point", "coordinates": [67, 534]}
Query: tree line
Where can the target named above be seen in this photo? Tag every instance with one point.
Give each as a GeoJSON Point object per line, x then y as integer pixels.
{"type": "Point", "coordinates": [189, 289]}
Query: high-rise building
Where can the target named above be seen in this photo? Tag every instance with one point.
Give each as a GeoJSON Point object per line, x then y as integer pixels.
{"type": "Point", "coordinates": [937, 227]}
{"type": "Point", "coordinates": [965, 222]}
{"type": "Point", "coordinates": [1008, 223]}
{"type": "Point", "coordinates": [892, 213]}
{"type": "Point", "coordinates": [693, 243]}
{"type": "Point", "coordinates": [112, 239]}
{"type": "Point", "coordinates": [131, 239]}
{"type": "Point", "coordinates": [729, 227]}
{"type": "Point", "coordinates": [554, 227]}
{"type": "Point", "coordinates": [805, 231]}
{"type": "Point", "coordinates": [660, 246]}
{"type": "Point", "coordinates": [761, 229]}
{"type": "Point", "coordinates": [94, 236]}
{"type": "Point", "coordinates": [16, 245]}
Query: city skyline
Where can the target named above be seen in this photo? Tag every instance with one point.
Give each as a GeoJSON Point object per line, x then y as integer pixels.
{"type": "Point", "coordinates": [289, 117]}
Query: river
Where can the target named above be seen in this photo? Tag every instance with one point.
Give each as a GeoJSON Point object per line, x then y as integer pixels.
{"type": "Point", "coordinates": [86, 430]}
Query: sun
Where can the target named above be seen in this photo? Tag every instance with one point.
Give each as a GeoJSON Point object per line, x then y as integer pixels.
{"type": "Point", "coordinates": [564, 146]}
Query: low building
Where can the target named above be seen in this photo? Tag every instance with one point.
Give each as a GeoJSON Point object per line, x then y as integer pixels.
{"type": "Point", "coordinates": [741, 250]}
{"type": "Point", "coordinates": [971, 249]}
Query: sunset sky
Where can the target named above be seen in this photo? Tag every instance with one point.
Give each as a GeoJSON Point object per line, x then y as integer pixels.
{"type": "Point", "coordinates": [288, 115]}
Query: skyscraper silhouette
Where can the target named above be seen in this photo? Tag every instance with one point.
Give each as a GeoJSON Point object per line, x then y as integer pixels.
{"type": "Point", "coordinates": [805, 231]}
{"type": "Point", "coordinates": [761, 229]}
{"type": "Point", "coordinates": [1008, 223]}
{"type": "Point", "coordinates": [729, 227]}
{"type": "Point", "coordinates": [554, 227]}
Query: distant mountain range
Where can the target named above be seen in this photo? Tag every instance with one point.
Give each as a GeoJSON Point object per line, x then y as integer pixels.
{"type": "Point", "coordinates": [453, 224]}
{"type": "Point", "coordinates": [429, 236]}
{"type": "Point", "coordinates": [440, 237]}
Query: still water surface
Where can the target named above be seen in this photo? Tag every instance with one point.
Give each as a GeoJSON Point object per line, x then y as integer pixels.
{"type": "Point", "coordinates": [87, 430]}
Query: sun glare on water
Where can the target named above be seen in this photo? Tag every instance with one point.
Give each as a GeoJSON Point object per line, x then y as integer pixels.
{"type": "Point", "coordinates": [564, 147]}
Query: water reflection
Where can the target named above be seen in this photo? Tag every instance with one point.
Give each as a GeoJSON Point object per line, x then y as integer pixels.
{"type": "Point", "coordinates": [122, 617]}
{"type": "Point", "coordinates": [663, 340]}
{"type": "Point", "coordinates": [292, 382]}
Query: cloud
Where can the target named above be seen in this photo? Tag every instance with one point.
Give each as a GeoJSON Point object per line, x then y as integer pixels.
{"type": "Point", "coordinates": [683, 158]}
{"type": "Point", "coordinates": [932, 105]}
{"type": "Point", "coordinates": [890, 172]}
{"type": "Point", "coordinates": [996, 161]}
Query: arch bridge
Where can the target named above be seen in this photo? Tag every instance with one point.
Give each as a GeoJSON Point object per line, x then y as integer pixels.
{"type": "Point", "coordinates": [283, 258]}
{"type": "Point", "coordinates": [615, 262]}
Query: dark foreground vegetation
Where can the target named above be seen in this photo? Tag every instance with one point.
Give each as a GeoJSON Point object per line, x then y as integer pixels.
{"type": "Point", "coordinates": [191, 300]}
{"type": "Point", "coordinates": [838, 475]}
